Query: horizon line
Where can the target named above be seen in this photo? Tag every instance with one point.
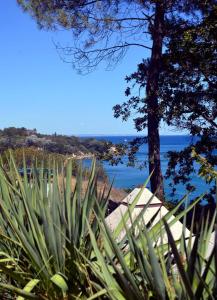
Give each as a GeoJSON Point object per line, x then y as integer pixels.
{"type": "Point", "coordinates": [127, 134]}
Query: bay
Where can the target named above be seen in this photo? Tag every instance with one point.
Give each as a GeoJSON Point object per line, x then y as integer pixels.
{"type": "Point", "coordinates": [129, 177]}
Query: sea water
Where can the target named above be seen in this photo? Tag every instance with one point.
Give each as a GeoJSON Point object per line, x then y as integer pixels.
{"type": "Point", "coordinates": [129, 177]}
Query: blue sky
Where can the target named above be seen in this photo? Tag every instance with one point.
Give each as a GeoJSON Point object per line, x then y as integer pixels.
{"type": "Point", "coordinates": [39, 91]}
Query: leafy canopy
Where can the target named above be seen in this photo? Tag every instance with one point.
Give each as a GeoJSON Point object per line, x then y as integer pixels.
{"type": "Point", "coordinates": [187, 92]}
{"type": "Point", "coordinates": [104, 30]}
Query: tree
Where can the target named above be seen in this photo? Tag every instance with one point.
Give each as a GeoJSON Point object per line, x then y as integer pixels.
{"type": "Point", "coordinates": [192, 74]}
{"type": "Point", "coordinates": [104, 30]}
{"type": "Point", "coordinates": [188, 91]}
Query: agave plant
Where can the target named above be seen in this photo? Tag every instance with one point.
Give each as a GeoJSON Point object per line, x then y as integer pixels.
{"type": "Point", "coordinates": [43, 230]}
{"type": "Point", "coordinates": [55, 244]}
{"type": "Point", "coordinates": [137, 266]}
{"type": "Point", "coordinates": [140, 265]}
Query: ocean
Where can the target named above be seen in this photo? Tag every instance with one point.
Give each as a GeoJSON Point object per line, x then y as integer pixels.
{"type": "Point", "coordinates": [129, 177]}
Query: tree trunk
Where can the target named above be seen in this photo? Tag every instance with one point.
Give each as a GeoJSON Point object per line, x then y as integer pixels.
{"type": "Point", "coordinates": [152, 89]}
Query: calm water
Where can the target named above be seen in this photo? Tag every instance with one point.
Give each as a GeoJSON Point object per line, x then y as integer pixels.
{"type": "Point", "coordinates": [128, 177]}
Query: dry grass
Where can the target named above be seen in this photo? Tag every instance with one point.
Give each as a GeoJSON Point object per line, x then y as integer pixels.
{"type": "Point", "coordinates": [116, 195]}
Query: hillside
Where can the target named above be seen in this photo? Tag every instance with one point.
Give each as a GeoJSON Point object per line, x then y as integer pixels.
{"type": "Point", "coordinates": [12, 138]}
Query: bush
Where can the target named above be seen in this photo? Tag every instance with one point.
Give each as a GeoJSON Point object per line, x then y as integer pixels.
{"type": "Point", "coordinates": [55, 244]}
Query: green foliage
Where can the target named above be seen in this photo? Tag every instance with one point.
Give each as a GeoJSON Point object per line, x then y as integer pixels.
{"type": "Point", "coordinates": [206, 170]}
{"type": "Point", "coordinates": [13, 138]}
{"type": "Point", "coordinates": [100, 29]}
{"type": "Point", "coordinates": [105, 30]}
{"type": "Point", "coordinates": [56, 244]}
{"type": "Point", "coordinates": [43, 228]}
{"type": "Point", "coordinates": [142, 266]}
{"type": "Point", "coordinates": [187, 91]}
{"type": "Point", "coordinates": [33, 156]}
{"type": "Point", "coordinates": [190, 83]}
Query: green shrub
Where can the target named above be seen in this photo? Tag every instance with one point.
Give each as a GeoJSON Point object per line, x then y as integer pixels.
{"type": "Point", "coordinates": [55, 244]}
{"type": "Point", "coordinates": [43, 230]}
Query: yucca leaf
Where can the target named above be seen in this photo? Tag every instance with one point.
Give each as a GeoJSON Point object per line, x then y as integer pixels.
{"type": "Point", "coordinates": [119, 256]}
{"type": "Point", "coordinates": [111, 283]}
{"type": "Point", "coordinates": [29, 287]}
{"type": "Point", "coordinates": [68, 196]}
{"type": "Point", "coordinates": [22, 293]}
{"type": "Point", "coordinates": [178, 261]}
{"type": "Point", "coordinates": [98, 294]}
{"type": "Point", "coordinates": [156, 270]}
{"type": "Point", "coordinates": [158, 226]}
{"type": "Point", "coordinates": [199, 291]}
{"type": "Point", "coordinates": [60, 282]}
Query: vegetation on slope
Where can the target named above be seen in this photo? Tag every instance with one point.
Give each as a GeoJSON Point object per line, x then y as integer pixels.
{"type": "Point", "coordinates": [12, 138]}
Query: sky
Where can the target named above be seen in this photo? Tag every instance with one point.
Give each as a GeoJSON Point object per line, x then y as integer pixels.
{"type": "Point", "coordinates": [38, 90]}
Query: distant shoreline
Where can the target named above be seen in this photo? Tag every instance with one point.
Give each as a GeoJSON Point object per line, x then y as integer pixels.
{"type": "Point", "coordinates": [128, 135]}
